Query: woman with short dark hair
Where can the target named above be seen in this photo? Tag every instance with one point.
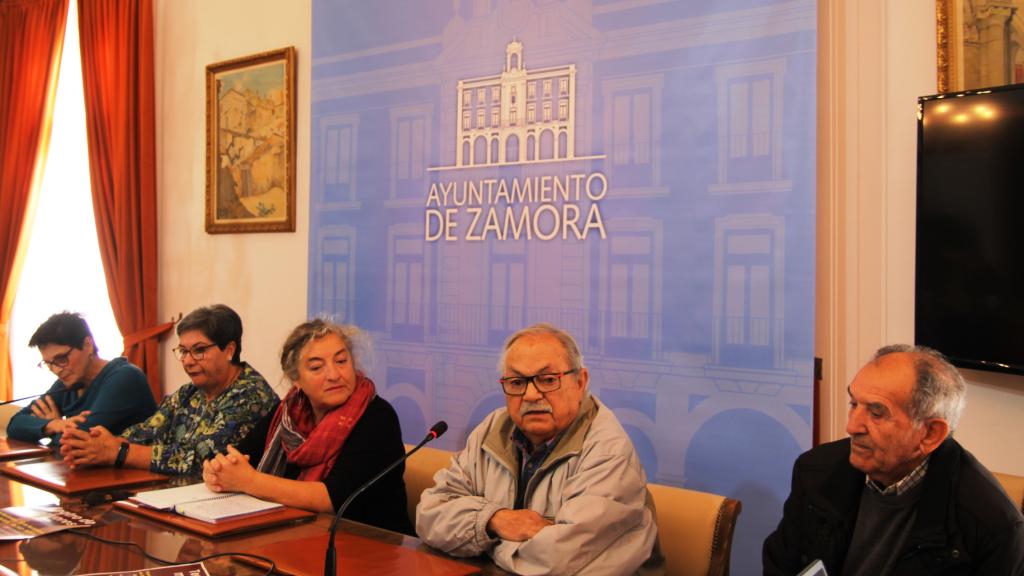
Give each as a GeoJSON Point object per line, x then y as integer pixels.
{"type": "Point", "coordinates": [89, 390]}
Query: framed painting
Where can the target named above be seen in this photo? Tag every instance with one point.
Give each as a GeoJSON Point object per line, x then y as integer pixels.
{"type": "Point", "coordinates": [976, 42]}
{"type": "Point", "coordinates": [250, 143]}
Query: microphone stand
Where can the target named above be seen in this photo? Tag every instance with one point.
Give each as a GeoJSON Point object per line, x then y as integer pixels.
{"type": "Point", "coordinates": [6, 402]}
{"type": "Point", "coordinates": [75, 387]}
{"type": "Point", "coordinates": [331, 559]}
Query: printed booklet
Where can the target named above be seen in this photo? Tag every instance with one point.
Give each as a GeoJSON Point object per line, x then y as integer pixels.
{"type": "Point", "coordinates": [21, 522]}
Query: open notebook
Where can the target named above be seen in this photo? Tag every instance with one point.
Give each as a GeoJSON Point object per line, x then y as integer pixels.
{"type": "Point", "coordinates": [199, 502]}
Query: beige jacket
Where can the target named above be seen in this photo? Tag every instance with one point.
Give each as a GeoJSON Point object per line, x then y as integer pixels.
{"type": "Point", "coordinates": [591, 485]}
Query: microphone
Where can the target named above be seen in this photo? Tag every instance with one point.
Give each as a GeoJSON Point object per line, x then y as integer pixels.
{"type": "Point", "coordinates": [330, 561]}
{"type": "Point", "coordinates": [75, 387]}
{"type": "Point", "coordinates": [6, 402]}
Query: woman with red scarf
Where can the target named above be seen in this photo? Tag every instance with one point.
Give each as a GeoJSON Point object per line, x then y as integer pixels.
{"type": "Point", "coordinates": [329, 435]}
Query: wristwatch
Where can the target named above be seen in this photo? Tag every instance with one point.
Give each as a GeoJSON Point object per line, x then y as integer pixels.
{"type": "Point", "coordinates": [122, 453]}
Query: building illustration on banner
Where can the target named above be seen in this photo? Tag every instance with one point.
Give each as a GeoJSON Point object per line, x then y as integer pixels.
{"type": "Point", "coordinates": [694, 313]}
{"type": "Point", "coordinates": [520, 116]}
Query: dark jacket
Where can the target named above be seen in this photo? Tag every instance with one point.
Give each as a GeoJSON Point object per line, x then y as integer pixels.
{"type": "Point", "coordinates": [965, 524]}
{"type": "Point", "coordinates": [374, 443]}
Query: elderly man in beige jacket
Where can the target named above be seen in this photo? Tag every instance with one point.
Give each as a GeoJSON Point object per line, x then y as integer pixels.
{"type": "Point", "coordinates": [549, 485]}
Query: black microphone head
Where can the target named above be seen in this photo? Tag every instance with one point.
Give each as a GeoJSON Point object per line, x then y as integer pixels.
{"type": "Point", "coordinates": [438, 429]}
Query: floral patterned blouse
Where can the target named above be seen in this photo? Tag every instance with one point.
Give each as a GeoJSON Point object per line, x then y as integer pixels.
{"type": "Point", "coordinates": [187, 429]}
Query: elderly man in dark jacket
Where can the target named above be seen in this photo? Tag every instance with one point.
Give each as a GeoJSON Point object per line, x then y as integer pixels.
{"type": "Point", "coordinates": [900, 496]}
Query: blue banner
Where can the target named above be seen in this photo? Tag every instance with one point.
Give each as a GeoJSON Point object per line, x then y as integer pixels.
{"type": "Point", "coordinates": [638, 172]}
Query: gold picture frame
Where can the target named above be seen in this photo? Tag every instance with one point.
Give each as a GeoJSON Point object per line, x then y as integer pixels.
{"type": "Point", "coordinates": [946, 53]}
{"type": "Point", "coordinates": [250, 143]}
{"type": "Point", "coordinates": [973, 43]}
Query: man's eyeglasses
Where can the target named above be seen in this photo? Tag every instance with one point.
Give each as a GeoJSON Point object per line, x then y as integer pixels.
{"type": "Point", "coordinates": [547, 382]}
{"type": "Point", "coordinates": [197, 351]}
{"type": "Point", "coordinates": [59, 361]}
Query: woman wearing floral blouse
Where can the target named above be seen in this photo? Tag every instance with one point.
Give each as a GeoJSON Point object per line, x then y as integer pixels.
{"type": "Point", "coordinates": [219, 406]}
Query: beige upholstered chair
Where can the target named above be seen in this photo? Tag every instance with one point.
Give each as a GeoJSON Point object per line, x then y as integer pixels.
{"type": "Point", "coordinates": [695, 530]}
{"type": "Point", "coordinates": [1014, 486]}
{"type": "Point", "coordinates": [7, 411]}
{"type": "Point", "coordinates": [419, 474]}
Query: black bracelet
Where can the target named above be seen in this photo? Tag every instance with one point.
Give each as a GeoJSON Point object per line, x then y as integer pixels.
{"type": "Point", "coordinates": [122, 454]}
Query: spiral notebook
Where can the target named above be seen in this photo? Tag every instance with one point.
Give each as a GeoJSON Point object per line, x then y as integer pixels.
{"type": "Point", "coordinates": [199, 502]}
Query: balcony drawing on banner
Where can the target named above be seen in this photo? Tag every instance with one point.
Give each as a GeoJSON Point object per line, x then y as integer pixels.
{"type": "Point", "coordinates": [517, 117]}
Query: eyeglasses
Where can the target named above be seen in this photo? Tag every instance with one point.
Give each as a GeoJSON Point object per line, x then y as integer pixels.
{"type": "Point", "coordinates": [547, 382]}
{"type": "Point", "coordinates": [59, 361]}
{"type": "Point", "coordinates": [197, 351]}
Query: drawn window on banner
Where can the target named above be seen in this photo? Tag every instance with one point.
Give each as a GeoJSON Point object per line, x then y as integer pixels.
{"type": "Point", "coordinates": [632, 293]}
{"type": "Point", "coordinates": [749, 304]}
{"type": "Point", "coordinates": [338, 163]}
{"type": "Point", "coordinates": [512, 145]}
{"type": "Point", "coordinates": [546, 150]}
{"type": "Point", "coordinates": [337, 271]}
{"type": "Point", "coordinates": [629, 295]}
{"type": "Point", "coordinates": [750, 128]}
{"type": "Point", "coordinates": [480, 150]}
{"type": "Point", "coordinates": [410, 281]}
{"type": "Point", "coordinates": [508, 283]}
{"type": "Point", "coordinates": [410, 152]}
{"type": "Point", "coordinates": [750, 98]}
{"type": "Point", "coordinates": [632, 133]}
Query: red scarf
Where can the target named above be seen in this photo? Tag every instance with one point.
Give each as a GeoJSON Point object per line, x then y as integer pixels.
{"type": "Point", "coordinates": [317, 453]}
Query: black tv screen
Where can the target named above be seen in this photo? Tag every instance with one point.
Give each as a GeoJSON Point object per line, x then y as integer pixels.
{"type": "Point", "coordinates": [970, 227]}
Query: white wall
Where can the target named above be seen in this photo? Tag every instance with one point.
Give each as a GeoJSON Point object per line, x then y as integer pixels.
{"type": "Point", "coordinates": [261, 276]}
{"type": "Point", "coordinates": [876, 57]}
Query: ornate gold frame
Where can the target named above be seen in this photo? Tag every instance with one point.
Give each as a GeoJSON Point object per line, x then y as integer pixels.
{"type": "Point", "coordinates": [947, 49]}
{"type": "Point", "coordinates": [214, 74]}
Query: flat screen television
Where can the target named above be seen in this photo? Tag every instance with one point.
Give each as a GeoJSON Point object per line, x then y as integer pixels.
{"type": "Point", "coordinates": [970, 227]}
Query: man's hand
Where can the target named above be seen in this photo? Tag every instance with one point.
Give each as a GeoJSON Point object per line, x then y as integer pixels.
{"type": "Point", "coordinates": [517, 525]}
{"type": "Point", "coordinates": [229, 472]}
{"type": "Point", "coordinates": [97, 447]}
{"type": "Point", "coordinates": [59, 425]}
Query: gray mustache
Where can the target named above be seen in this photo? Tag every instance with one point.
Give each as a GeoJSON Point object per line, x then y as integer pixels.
{"type": "Point", "coordinates": [533, 407]}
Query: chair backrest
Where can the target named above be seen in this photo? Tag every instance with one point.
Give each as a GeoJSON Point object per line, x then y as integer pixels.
{"type": "Point", "coordinates": [1014, 486]}
{"type": "Point", "coordinates": [7, 411]}
{"type": "Point", "coordinates": [695, 530]}
{"type": "Point", "coordinates": [419, 474]}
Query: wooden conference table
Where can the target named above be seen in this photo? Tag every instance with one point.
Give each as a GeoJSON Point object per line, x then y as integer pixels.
{"type": "Point", "coordinates": [64, 553]}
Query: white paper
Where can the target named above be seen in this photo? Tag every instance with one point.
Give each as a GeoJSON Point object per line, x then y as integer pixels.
{"type": "Point", "coordinates": [168, 498]}
{"type": "Point", "coordinates": [199, 502]}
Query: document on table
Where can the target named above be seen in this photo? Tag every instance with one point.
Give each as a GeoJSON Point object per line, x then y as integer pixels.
{"type": "Point", "coordinates": [199, 502]}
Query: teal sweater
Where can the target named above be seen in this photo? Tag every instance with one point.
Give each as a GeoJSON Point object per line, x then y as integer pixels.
{"type": "Point", "coordinates": [118, 397]}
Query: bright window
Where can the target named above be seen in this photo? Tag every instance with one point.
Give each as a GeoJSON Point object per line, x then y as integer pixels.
{"type": "Point", "coordinates": [62, 268]}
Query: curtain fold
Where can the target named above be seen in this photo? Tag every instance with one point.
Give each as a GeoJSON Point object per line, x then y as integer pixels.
{"type": "Point", "coordinates": [117, 72]}
{"type": "Point", "coordinates": [31, 40]}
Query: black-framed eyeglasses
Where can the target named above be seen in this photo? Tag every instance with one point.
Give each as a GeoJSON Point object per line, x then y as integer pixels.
{"type": "Point", "coordinates": [197, 351]}
{"type": "Point", "coordinates": [545, 382]}
{"type": "Point", "coordinates": [57, 362]}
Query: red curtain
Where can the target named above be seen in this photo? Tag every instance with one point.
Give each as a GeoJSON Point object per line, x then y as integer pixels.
{"type": "Point", "coordinates": [117, 72]}
{"type": "Point", "coordinates": [31, 40]}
